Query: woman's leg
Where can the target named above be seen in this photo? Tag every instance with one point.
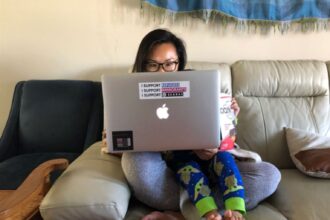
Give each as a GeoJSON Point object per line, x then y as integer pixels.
{"type": "Point", "coordinates": [154, 183]}
{"type": "Point", "coordinates": [151, 181]}
{"type": "Point", "coordinates": [260, 181]}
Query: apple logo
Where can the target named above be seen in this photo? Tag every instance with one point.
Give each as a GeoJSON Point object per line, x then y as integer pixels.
{"type": "Point", "coordinates": [162, 112]}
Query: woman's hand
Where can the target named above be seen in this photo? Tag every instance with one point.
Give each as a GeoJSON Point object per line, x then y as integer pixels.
{"type": "Point", "coordinates": [206, 154]}
{"type": "Point", "coordinates": [235, 106]}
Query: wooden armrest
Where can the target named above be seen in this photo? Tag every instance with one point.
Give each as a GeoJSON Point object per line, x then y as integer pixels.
{"type": "Point", "coordinates": [24, 202]}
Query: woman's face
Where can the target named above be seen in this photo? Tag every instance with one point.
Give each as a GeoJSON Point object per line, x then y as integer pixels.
{"type": "Point", "coordinates": [162, 58]}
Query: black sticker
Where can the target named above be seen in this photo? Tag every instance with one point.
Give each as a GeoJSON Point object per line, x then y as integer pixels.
{"type": "Point", "coordinates": [122, 140]}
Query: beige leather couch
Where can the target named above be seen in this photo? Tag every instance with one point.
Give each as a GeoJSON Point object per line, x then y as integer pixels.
{"type": "Point", "coordinates": [272, 95]}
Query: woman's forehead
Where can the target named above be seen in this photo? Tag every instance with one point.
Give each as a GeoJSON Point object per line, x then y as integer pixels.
{"type": "Point", "coordinates": [163, 52]}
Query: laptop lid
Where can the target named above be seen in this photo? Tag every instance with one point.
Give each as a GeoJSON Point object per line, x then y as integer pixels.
{"type": "Point", "coordinates": [162, 111]}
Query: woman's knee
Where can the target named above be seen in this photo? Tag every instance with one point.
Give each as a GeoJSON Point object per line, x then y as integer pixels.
{"type": "Point", "coordinates": [144, 169]}
{"type": "Point", "coordinates": [260, 181]}
{"type": "Point", "coordinates": [151, 181]}
{"type": "Point", "coordinates": [263, 172]}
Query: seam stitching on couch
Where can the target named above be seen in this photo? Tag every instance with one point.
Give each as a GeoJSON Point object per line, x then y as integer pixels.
{"type": "Point", "coordinates": [311, 113]}
{"type": "Point", "coordinates": [263, 119]}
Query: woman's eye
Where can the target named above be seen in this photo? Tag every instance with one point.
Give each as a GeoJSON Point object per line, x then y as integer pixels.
{"type": "Point", "coordinates": [169, 64]}
{"type": "Point", "coordinates": [153, 66]}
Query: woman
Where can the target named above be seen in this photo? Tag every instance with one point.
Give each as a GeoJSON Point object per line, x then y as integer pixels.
{"type": "Point", "coordinates": [151, 181]}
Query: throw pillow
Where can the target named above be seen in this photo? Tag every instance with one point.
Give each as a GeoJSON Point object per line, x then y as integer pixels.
{"type": "Point", "coordinates": [310, 152]}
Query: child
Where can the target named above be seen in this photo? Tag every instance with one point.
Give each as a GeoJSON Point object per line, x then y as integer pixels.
{"type": "Point", "coordinates": [192, 169]}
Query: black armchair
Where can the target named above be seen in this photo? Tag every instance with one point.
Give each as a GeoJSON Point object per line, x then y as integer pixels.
{"type": "Point", "coordinates": [48, 119]}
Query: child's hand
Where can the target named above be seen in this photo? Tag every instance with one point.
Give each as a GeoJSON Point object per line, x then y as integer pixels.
{"type": "Point", "coordinates": [235, 106]}
{"type": "Point", "coordinates": [206, 154]}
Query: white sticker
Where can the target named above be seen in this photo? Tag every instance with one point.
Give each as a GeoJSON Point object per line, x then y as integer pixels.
{"type": "Point", "coordinates": [164, 90]}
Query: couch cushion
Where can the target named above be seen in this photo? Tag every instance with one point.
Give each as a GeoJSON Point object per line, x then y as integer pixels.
{"type": "Point", "coordinates": [277, 94]}
{"type": "Point", "coordinates": [79, 193]}
{"type": "Point", "coordinates": [301, 197]}
{"type": "Point", "coordinates": [265, 211]}
{"type": "Point", "coordinates": [137, 210]}
{"type": "Point", "coordinates": [15, 170]}
{"type": "Point", "coordinates": [310, 152]}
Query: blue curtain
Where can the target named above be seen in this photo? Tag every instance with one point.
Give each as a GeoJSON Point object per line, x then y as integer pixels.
{"type": "Point", "coordinates": [266, 14]}
{"type": "Point", "coordinates": [271, 10]}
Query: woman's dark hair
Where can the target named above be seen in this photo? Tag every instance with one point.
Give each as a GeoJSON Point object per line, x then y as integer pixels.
{"type": "Point", "coordinates": [154, 38]}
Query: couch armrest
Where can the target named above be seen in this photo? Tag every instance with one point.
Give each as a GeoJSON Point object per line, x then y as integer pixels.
{"type": "Point", "coordinates": [93, 187]}
{"type": "Point", "coordinates": [23, 202]}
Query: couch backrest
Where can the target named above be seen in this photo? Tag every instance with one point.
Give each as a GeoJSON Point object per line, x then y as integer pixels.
{"type": "Point", "coordinates": [277, 94]}
{"type": "Point", "coordinates": [59, 115]}
{"type": "Point", "coordinates": [328, 66]}
{"type": "Point", "coordinates": [224, 70]}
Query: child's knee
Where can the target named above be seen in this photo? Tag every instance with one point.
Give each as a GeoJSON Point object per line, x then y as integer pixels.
{"type": "Point", "coordinates": [224, 157]}
{"type": "Point", "coordinates": [184, 172]}
{"type": "Point", "coordinates": [189, 165]}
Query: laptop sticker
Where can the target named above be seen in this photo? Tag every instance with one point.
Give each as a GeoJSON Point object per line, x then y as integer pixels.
{"type": "Point", "coordinates": [164, 90]}
{"type": "Point", "coordinates": [122, 140]}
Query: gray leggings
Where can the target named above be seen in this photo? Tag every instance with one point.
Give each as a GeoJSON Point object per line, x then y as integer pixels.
{"type": "Point", "coordinates": [154, 184]}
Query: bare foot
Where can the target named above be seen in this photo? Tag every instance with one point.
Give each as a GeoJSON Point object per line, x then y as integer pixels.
{"type": "Point", "coordinates": [233, 215]}
{"type": "Point", "coordinates": [213, 215]}
{"type": "Point", "coordinates": [167, 215]}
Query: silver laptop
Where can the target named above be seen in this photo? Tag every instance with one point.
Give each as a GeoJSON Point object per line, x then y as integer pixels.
{"type": "Point", "coordinates": [162, 111]}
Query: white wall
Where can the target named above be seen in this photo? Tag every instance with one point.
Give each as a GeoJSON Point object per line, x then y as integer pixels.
{"type": "Point", "coordinates": [78, 39]}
